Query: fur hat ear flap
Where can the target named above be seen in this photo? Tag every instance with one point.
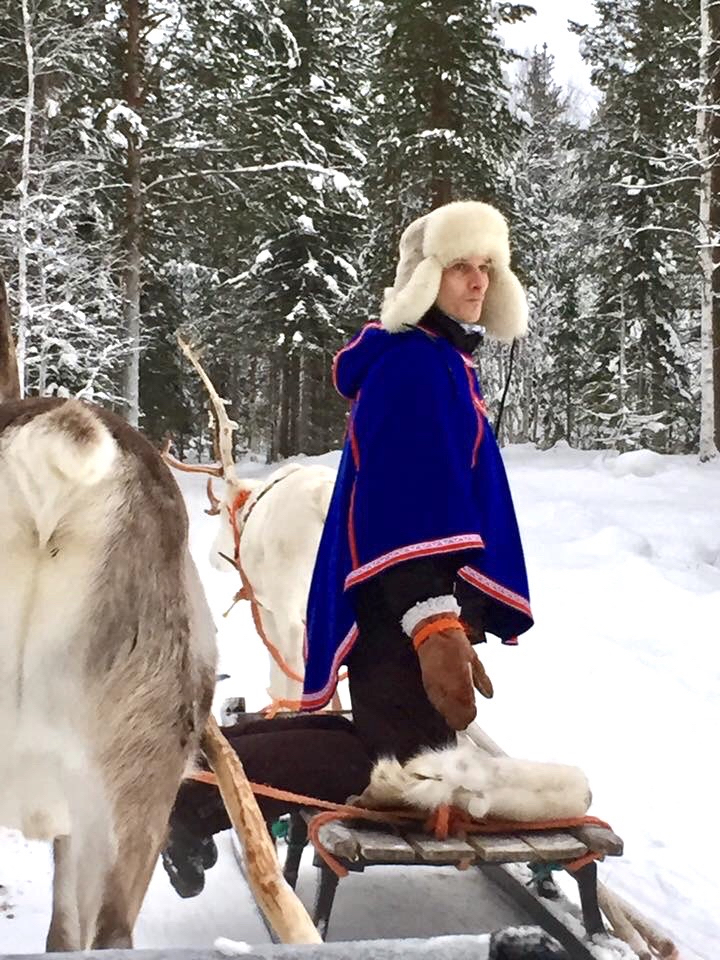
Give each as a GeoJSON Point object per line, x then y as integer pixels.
{"type": "Point", "coordinates": [403, 307]}
{"type": "Point", "coordinates": [505, 309]}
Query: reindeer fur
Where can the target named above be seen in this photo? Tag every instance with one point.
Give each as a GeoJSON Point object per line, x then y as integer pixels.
{"type": "Point", "coordinates": [279, 537]}
{"type": "Point", "coordinates": [466, 777]}
{"type": "Point", "coordinates": [107, 657]}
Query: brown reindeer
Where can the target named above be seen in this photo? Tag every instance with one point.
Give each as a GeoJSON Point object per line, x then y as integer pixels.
{"type": "Point", "coordinates": [107, 652]}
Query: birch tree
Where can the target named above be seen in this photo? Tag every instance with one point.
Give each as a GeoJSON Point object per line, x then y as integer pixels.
{"type": "Point", "coordinates": [23, 191]}
{"type": "Point", "coordinates": [134, 18]}
{"type": "Point", "coordinates": [54, 240]}
{"type": "Point", "coordinates": [708, 138]}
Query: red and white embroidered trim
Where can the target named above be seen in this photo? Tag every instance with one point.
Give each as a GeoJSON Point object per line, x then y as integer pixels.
{"type": "Point", "coordinates": [480, 413]}
{"type": "Point", "coordinates": [353, 439]}
{"type": "Point", "coordinates": [495, 589]}
{"type": "Point", "coordinates": [352, 542]}
{"type": "Point", "coordinates": [465, 541]}
{"type": "Point", "coordinates": [320, 697]}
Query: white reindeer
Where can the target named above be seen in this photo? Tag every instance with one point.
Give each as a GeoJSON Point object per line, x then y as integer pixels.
{"type": "Point", "coordinates": [107, 654]}
{"type": "Point", "coordinates": [270, 529]}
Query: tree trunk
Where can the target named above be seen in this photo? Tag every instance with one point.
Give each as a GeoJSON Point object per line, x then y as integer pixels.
{"type": "Point", "coordinates": [714, 55]}
{"type": "Point", "coordinates": [709, 322]}
{"type": "Point", "coordinates": [440, 184]}
{"type": "Point", "coordinates": [134, 65]}
{"type": "Point", "coordinates": [23, 190]}
{"type": "Point", "coordinates": [305, 407]}
{"type": "Point", "coordinates": [281, 406]}
{"type": "Point", "coordinates": [293, 387]}
{"type": "Point", "coordinates": [41, 140]}
{"type": "Point", "coordinates": [569, 425]}
{"type": "Point", "coordinates": [9, 380]}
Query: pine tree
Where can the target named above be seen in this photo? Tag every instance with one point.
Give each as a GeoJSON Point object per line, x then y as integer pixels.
{"type": "Point", "coordinates": [277, 108]}
{"type": "Point", "coordinates": [708, 141]}
{"type": "Point", "coordinates": [442, 125]}
{"type": "Point", "coordinates": [639, 388]}
{"type": "Point", "coordinates": [549, 372]}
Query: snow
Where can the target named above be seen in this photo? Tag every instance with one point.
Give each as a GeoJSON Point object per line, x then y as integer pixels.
{"type": "Point", "coordinates": [122, 115]}
{"type": "Point", "coordinates": [231, 948]}
{"type": "Point", "coordinates": [638, 463]}
{"type": "Point", "coordinates": [619, 676]}
{"type": "Point", "coordinates": [341, 181]}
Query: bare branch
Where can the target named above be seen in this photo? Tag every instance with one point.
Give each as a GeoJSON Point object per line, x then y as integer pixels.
{"type": "Point", "coordinates": [257, 168]}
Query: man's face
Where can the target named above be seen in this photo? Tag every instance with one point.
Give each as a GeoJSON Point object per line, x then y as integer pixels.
{"type": "Point", "coordinates": [462, 289]}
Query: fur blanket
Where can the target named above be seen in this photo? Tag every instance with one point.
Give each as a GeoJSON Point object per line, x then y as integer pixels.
{"type": "Point", "coordinates": [502, 788]}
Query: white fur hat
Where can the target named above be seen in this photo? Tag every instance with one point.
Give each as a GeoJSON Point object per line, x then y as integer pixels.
{"type": "Point", "coordinates": [462, 229]}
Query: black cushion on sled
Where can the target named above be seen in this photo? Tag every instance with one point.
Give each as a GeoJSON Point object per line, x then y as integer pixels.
{"type": "Point", "coordinates": [315, 755]}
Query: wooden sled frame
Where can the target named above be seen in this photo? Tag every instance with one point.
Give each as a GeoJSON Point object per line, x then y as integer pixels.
{"type": "Point", "coordinates": [358, 846]}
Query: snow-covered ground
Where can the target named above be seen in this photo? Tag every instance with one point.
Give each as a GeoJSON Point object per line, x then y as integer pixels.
{"type": "Point", "coordinates": [621, 675]}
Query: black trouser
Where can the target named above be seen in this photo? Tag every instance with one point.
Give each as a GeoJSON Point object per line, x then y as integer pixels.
{"type": "Point", "coordinates": [313, 755]}
{"type": "Point", "coordinates": [391, 711]}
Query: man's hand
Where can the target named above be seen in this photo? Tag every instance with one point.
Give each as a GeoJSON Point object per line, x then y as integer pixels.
{"type": "Point", "coordinates": [450, 667]}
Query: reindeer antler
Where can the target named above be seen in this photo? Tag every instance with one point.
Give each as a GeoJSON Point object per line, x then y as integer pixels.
{"type": "Point", "coordinates": [215, 470]}
{"type": "Point", "coordinates": [223, 424]}
{"type": "Point", "coordinates": [215, 504]}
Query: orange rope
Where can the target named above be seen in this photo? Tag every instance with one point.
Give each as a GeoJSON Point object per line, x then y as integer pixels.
{"type": "Point", "coordinates": [446, 821]}
{"type": "Point", "coordinates": [278, 704]}
{"type": "Point", "coordinates": [434, 626]}
{"type": "Point", "coordinates": [241, 498]}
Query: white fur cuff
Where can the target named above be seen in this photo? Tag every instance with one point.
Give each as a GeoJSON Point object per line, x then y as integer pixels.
{"type": "Point", "coordinates": [428, 608]}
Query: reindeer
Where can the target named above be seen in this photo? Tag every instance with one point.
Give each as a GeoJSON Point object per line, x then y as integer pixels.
{"type": "Point", "coordinates": [270, 530]}
{"type": "Point", "coordinates": [107, 652]}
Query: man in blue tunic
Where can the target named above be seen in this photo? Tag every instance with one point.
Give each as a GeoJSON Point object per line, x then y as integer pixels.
{"type": "Point", "coordinates": [420, 554]}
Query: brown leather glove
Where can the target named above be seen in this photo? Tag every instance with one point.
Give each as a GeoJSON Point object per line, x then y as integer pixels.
{"type": "Point", "coordinates": [450, 667]}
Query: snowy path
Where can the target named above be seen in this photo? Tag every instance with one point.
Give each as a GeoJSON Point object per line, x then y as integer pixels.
{"type": "Point", "coordinates": [621, 675]}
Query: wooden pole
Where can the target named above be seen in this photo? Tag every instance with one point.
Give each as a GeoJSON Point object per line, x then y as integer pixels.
{"type": "Point", "coordinates": [622, 927]}
{"type": "Point", "coordinates": [279, 904]}
{"type": "Point", "coordinates": [656, 938]}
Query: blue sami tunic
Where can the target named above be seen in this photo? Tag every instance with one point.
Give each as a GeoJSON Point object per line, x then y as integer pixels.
{"type": "Point", "coordinates": [420, 475]}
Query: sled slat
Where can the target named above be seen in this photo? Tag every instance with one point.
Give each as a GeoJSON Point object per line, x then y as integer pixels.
{"type": "Point", "coordinates": [501, 848]}
{"type": "Point", "coordinates": [600, 840]}
{"type": "Point", "coordinates": [340, 841]}
{"type": "Point", "coordinates": [554, 845]}
{"type": "Point", "coordinates": [452, 850]}
{"type": "Point", "coordinates": [383, 846]}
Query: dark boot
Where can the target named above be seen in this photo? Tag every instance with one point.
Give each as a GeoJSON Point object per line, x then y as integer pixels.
{"type": "Point", "coordinates": [185, 858]}
{"type": "Point", "coordinates": [525, 943]}
{"type": "Point", "coordinates": [314, 755]}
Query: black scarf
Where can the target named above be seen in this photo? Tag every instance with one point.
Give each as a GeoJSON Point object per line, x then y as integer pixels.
{"type": "Point", "coordinates": [440, 323]}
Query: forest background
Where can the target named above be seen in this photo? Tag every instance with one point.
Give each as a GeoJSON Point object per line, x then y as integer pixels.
{"type": "Point", "coordinates": [241, 170]}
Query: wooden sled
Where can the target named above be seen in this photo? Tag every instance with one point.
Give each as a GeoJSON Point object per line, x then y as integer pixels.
{"type": "Point", "coordinates": [502, 858]}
